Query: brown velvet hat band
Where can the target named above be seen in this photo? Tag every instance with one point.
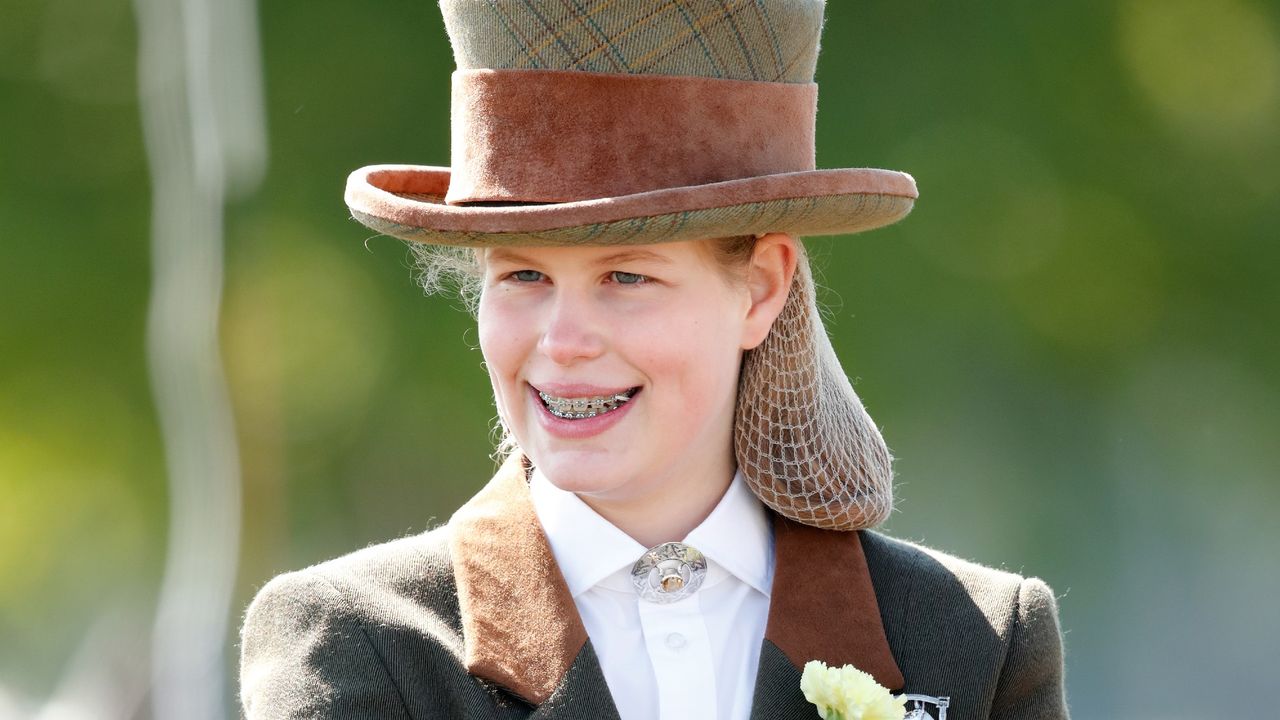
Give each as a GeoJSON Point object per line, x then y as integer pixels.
{"type": "Point", "coordinates": [545, 136]}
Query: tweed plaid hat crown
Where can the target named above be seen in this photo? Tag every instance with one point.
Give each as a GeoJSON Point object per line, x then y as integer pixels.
{"type": "Point", "coordinates": [603, 122]}
{"type": "Point", "coordinates": [628, 121]}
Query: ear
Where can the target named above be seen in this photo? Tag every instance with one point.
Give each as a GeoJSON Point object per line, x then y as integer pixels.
{"type": "Point", "coordinates": [773, 264]}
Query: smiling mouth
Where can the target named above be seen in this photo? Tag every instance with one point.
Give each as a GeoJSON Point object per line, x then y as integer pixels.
{"type": "Point", "coordinates": [581, 408]}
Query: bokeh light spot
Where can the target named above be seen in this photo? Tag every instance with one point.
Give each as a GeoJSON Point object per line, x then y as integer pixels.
{"type": "Point", "coordinates": [1211, 69]}
{"type": "Point", "coordinates": [994, 208]}
{"type": "Point", "coordinates": [305, 331]}
{"type": "Point", "coordinates": [74, 531]}
{"type": "Point", "coordinates": [87, 51]}
{"type": "Point", "coordinates": [1103, 290]}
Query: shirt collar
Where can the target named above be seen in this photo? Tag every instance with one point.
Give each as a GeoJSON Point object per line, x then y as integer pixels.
{"type": "Point", "coordinates": [736, 538]}
{"type": "Point", "coordinates": [587, 547]}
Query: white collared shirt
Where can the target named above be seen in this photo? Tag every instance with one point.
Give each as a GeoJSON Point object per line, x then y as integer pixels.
{"type": "Point", "coordinates": [694, 658]}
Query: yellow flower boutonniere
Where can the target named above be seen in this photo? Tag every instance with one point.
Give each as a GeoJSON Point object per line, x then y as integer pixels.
{"type": "Point", "coordinates": [847, 693]}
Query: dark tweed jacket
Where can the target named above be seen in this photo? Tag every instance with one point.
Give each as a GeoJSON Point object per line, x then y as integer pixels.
{"type": "Point", "coordinates": [474, 620]}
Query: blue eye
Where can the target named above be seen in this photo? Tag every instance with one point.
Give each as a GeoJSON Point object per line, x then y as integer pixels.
{"type": "Point", "coordinates": [626, 278]}
{"type": "Point", "coordinates": [527, 275]}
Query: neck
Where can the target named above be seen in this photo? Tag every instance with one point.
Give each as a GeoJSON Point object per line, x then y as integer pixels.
{"type": "Point", "coordinates": [670, 512]}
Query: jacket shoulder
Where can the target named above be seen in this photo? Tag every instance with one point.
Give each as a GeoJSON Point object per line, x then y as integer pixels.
{"type": "Point", "coordinates": [925, 572]}
{"type": "Point", "coordinates": [414, 568]}
{"type": "Point", "coordinates": [953, 623]}
{"type": "Point", "coordinates": [314, 642]}
{"type": "Point", "coordinates": [377, 583]}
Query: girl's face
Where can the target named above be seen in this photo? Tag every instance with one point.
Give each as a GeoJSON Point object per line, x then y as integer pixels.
{"type": "Point", "coordinates": [616, 368]}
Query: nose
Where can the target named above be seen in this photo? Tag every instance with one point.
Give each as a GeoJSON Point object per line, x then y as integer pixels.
{"type": "Point", "coordinates": [572, 332]}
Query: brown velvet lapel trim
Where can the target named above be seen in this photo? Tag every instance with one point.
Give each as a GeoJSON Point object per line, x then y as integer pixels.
{"type": "Point", "coordinates": [520, 626]}
{"type": "Point", "coordinates": [823, 606]}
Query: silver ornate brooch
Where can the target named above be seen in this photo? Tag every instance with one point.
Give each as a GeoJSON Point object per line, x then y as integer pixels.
{"type": "Point", "coordinates": [669, 572]}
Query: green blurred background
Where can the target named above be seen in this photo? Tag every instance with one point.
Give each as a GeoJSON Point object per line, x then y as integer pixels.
{"type": "Point", "coordinates": [1071, 345]}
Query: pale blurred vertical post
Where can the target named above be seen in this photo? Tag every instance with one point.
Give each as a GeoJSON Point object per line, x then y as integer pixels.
{"type": "Point", "coordinates": [201, 99]}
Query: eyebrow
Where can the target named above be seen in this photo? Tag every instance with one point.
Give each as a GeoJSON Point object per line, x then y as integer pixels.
{"type": "Point", "coordinates": [633, 256]}
{"type": "Point", "coordinates": [625, 256]}
{"type": "Point", "coordinates": [508, 255]}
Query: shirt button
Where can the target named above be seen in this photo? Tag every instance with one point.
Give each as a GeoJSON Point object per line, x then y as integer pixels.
{"type": "Point", "coordinates": [675, 641]}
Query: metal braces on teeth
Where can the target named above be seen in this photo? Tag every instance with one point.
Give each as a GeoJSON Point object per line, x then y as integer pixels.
{"type": "Point", "coordinates": [582, 408]}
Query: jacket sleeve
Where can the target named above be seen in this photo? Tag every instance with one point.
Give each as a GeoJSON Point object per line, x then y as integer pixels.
{"type": "Point", "coordinates": [1031, 681]}
{"type": "Point", "coordinates": [304, 654]}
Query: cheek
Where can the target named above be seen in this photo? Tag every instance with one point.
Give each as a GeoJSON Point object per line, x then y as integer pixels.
{"type": "Point", "coordinates": [699, 361]}
{"type": "Point", "coordinates": [504, 337]}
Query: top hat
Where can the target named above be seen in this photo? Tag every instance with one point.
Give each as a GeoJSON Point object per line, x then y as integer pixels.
{"type": "Point", "coordinates": [610, 122]}
{"type": "Point", "coordinates": [601, 122]}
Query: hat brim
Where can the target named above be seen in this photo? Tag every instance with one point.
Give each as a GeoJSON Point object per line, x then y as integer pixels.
{"type": "Point", "coordinates": [407, 201]}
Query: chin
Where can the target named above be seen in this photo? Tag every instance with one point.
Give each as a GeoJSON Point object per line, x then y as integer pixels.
{"type": "Point", "coordinates": [595, 474]}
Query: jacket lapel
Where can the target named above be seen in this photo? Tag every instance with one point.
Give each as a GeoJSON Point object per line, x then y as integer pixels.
{"type": "Point", "coordinates": [582, 694]}
{"type": "Point", "coordinates": [777, 693]}
{"type": "Point", "coordinates": [822, 607]}
{"type": "Point", "coordinates": [522, 631]}
{"type": "Point", "coordinates": [520, 627]}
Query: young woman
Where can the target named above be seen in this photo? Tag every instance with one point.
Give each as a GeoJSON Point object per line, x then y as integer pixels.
{"type": "Point", "coordinates": [683, 519]}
